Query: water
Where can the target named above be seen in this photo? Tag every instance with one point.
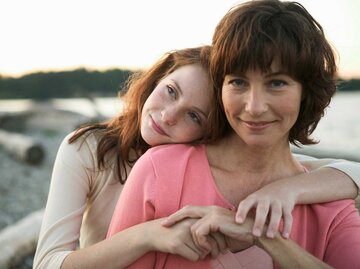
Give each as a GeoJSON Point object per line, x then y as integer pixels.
{"type": "Point", "coordinates": [338, 131]}
{"type": "Point", "coordinates": [106, 106]}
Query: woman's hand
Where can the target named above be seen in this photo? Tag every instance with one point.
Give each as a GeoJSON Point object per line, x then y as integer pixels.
{"type": "Point", "coordinates": [272, 202]}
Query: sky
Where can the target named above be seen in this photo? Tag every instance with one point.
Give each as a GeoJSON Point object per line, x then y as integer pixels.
{"type": "Point", "coordinates": [53, 35]}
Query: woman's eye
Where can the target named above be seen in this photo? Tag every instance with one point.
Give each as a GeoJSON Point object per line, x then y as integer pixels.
{"type": "Point", "coordinates": [171, 91]}
{"type": "Point", "coordinates": [277, 83]}
{"type": "Point", "coordinates": [194, 117]}
{"type": "Point", "coordinates": [237, 82]}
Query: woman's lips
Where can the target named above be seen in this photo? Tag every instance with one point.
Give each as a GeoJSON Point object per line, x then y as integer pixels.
{"type": "Point", "coordinates": [257, 126]}
{"type": "Point", "coordinates": [157, 128]}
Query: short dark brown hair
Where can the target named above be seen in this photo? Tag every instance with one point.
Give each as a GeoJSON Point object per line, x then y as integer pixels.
{"type": "Point", "coordinates": [253, 34]}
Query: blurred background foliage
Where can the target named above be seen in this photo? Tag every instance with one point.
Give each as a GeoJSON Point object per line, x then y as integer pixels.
{"type": "Point", "coordinates": [84, 83]}
{"type": "Point", "coordinates": [64, 84]}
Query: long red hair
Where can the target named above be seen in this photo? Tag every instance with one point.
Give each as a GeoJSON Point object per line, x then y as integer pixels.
{"type": "Point", "coordinates": [121, 133]}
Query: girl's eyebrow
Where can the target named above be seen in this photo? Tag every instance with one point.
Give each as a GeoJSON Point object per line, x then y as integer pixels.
{"type": "Point", "coordinates": [199, 111]}
{"type": "Point", "coordinates": [177, 86]}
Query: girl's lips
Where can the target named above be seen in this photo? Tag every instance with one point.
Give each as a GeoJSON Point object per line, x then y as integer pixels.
{"type": "Point", "coordinates": [157, 128]}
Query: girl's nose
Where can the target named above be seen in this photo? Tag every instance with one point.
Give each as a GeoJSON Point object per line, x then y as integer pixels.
{"type": "Point", "coordinates": [168, 115]}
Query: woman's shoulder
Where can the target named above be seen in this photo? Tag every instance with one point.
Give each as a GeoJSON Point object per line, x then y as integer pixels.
{"type": "Point", "coordinates": [328, 210]}
{"type": "Point", "coordinates": [171, 154]}
{"type": "Point", "coordinates": [171, 151]}
{"type": "Point", "coordinates": [162, 150]}
{"type": "Point", "coordinates": [335, 205]}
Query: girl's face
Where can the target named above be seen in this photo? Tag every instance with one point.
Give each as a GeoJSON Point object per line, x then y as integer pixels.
{"type": "Point", "coordinates": [262, 107]}
{"type": "Point", "coordinates": [177, 109]}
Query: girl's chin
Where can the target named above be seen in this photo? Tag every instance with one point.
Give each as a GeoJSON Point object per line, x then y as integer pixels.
{"type": "Point", "coordinates": [154, 140]}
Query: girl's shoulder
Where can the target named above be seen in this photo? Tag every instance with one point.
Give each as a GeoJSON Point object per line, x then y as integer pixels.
{"type": "Point", "coordinates": [87, 141]}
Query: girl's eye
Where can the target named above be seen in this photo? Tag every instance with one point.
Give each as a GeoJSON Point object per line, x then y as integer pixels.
{"type": "Point", "coordinates": [194, 117]}
{"type": "Point", "coordinates": [171, 91]}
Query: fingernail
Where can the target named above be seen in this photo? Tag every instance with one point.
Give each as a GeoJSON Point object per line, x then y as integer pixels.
{"type": "Point", "coordinates": [270, 234]}
{"type": "Point", "coordinates": [239, 219]}
{"type": "Point", "coordinates": [257, 232]}
{"type": "Point", "coordinates": [286, 235]}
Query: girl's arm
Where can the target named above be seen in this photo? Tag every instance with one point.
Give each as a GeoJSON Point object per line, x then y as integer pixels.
{"type": "Point", "coordinates": [285, 252]}
{"type": "Point", "coordinates": [328, 180]}
{"type": "Point", "coordinates": [127, 246]}
{"type": "Point", "coordinates": [60, 229]}
{"type": "Point", "coordinates": [72, 179]}
{"type": "Point", "coordinates": [350, 168]}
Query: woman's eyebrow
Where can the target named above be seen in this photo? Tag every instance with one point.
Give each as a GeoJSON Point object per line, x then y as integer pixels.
{"type": "Point", "coordinates": [276, 73]}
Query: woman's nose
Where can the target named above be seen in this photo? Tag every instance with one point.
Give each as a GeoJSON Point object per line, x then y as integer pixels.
{"type": "Point", "coordinates": [256, 103]}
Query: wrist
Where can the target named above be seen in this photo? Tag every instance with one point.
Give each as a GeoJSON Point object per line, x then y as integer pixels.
{"type": "Point", "coordinates": [263, 241]}
{"type": "Point", "coordinates": [140, 237]}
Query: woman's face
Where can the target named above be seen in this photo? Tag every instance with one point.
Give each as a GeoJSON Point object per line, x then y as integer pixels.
{"type": "Point", "coordinates": [262, 107]}
{"type": "Point", "coordinates": [177, 109]}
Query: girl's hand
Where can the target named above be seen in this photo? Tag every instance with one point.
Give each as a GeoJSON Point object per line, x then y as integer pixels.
{"type": "Point", "coordinates": [222, 221]}
{"type": "Point", "coordinates": [217, 242]}
{"type": "Point", "coordinates": [189, 211]}
{"type": "Point", "coordinates": [235, 238]}
{"type": "Point", "coordinates": [176, 239]}
{"type": "Point", "coordinates": [272, 202]}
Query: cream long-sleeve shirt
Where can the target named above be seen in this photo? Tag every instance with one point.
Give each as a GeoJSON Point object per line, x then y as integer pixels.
{"type": "Point", "coordinates": [82, 199]}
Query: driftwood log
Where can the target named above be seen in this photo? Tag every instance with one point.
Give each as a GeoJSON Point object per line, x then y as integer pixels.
{"type": "Point", "coordinates": [20, 239]}
{"type": "Point", "coordinates": [23, 148]}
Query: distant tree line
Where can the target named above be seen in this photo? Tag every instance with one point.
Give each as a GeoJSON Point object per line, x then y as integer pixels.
{"type": "Point", "coordinates": [64, 84]}
{"type": "Point", "coordinates": [349, 85]}
{"type": "Point", "coordinates": [84, 83]}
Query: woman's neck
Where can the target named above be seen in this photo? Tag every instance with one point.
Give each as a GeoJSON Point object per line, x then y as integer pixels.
{"type": "Point", "coordinates": [233, 163]}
